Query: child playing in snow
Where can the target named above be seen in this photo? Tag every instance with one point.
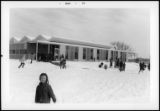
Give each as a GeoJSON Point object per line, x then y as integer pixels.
{"type": "Point", "coordinates": [61, 63]}
{"type": "Point", "coordinates": [124, 66]}
{"type": "Point", "coordinates": [141, 67]}
{"type": "Point", "coordinates": [44, 91]}
{"type": "Point", "coordinates": [22, 61]}
{"type": "Point", "coordinates": [111, 62]}
{"type": "Point", "coordinates": [101, 64]}
{"type": "Point", "coordinates": [31, 57]}
{"type": "Point", "coordinates": [149, 66]}
{"type": "Point", "coordinates": [105, 66]}
{"type": "Point", "coordinates": [121, 65]}
{"type": "Point", "coordinates": [64, 63]}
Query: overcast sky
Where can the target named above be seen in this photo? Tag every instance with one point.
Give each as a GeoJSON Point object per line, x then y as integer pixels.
{"type": "Point", "coordinates": [100, 26]}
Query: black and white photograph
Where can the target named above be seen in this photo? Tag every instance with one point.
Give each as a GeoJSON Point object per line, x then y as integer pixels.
{"type": "Point", "coordinates": [80, 55]}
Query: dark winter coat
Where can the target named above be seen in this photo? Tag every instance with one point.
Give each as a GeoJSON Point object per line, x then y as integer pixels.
{"type": "Point", "coordinates": [43, 93]}
{"type": "Point", "coordinates": [120, 65]}
{"type": "Point", "coordinates": [142, 66]}
{"type": "Point", "coordinates": [149, 66]}
{"type": "Point", "coordinates": [105, 66]}
{"type": "Point", "coordinates": [110, 62]}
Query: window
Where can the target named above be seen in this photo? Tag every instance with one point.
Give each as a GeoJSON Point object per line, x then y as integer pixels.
{"type": "Point", "coordinates": [112, 54]}
{"type": "Point", "coordinates": [98, 54]}
{"type": "Point", "coordinates": [91, 54]}
{"type": "Point", "coordinates": [67, 52]}
{"type": "Point", "coordinates": [24, 51]}
{"type": "Point", "coordinates": [16, 51]}
{"type": "Point", "coordinates": [10, 51]}
{"type": "Point", "coordinates": [106, 54]}
{"type": "Point", "coordinates": [13, 51]}
{"type": "Point", "coordinates": [21, 51]}
{"type": "Point", "coordinates": [84, 53]}
{"type": "Point", "coordinates": [76, 52]}
{"type": "Point", "coordinates": [98, 51]}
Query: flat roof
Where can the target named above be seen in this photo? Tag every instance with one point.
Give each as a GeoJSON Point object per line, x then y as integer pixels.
{"type": "Point", "coordinates": [69, 41]}
{"type": "Point", "coordinates": [75, 42]}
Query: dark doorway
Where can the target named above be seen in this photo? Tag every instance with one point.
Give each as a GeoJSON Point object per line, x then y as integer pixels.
{"type": "Point", "coordinates": [48, 52]}
{"type": "Point", "coordinates": [54, 52]}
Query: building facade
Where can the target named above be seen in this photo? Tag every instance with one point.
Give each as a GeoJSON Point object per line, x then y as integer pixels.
{"type": "Point", "coordinates": [54, 48]}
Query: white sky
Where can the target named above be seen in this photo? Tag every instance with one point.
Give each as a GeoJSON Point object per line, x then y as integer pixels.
{"type": "Point", "coordinates": [99, 25]}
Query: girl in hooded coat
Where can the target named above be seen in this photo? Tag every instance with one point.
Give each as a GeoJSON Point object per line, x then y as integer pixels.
{"type": "Point", "coordinates": [44, 91]}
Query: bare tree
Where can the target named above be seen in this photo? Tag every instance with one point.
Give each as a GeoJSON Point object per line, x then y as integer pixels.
{"type": "Point", "coordinates": [121, 46]}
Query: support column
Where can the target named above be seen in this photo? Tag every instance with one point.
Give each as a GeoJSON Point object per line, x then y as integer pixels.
{"type": "Point", "coordinates": [80, 54]}
{"type": "Point", "coordinates": [114, 53]}
{"type": "Point", "coordinates": [119, 54]}
{"type": "Point", "coordinates": [62, 49]}
{"type": "Point", "coordinates": [109, 55]}
{"type": "Point", "coordinates": [37, 51]}
{"type": "Point", "coordinates": [95, 53]}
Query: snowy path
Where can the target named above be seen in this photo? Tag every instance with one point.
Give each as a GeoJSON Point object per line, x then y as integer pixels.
{"type": "Point", "coordinates": [81, 82]}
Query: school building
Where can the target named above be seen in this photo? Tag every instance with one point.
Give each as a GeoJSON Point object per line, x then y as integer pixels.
{"type": "Point", "coordinates": [71, 49]}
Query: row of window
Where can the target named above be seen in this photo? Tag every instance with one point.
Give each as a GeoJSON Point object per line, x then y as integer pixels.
{"type": "Point", "coordinates": [102, 54]}
{"type": "Point", "coordinates": [87, 53]}
{"type": "Point", "coordinates": [22, 51]}
{"type": "Point", "coordinates": [72, 53]}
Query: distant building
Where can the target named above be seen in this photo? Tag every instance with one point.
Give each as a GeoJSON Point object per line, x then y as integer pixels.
{"type": "Point", "coordinates": [70, 49]}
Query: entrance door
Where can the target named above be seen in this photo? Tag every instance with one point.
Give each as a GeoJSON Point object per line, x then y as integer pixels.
{"type": "Point", "coordinates": [54, 51]}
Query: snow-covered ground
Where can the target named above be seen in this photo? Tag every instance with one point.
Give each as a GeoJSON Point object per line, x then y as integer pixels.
{"type": "Point", "coordinates": [81, 82]}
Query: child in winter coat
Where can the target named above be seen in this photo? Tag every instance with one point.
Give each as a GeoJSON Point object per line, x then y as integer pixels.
{"type": "Point", "coordinates": [101, 64]}
{"type": "Point", "coordinates": [111, 62]}
{"type": "Point", "coordinates": [149, 66]}
{"type": "Point", "coordinates": [64, 63]}
{"type": "Point", "coordinates": [22, 60]}
{"type": "Point", "coordinates": [124, 66]}
{"type": "Point", "coordinates": [32, 57]}
{"type": "Point", "coordinates": [105, 66]}
{"type": "Point", "coordinates": [44, 91]}
{"type": "Point", "coordinates": [121, 65]}
{"type": "Point", "coordinates": [141, 67]}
